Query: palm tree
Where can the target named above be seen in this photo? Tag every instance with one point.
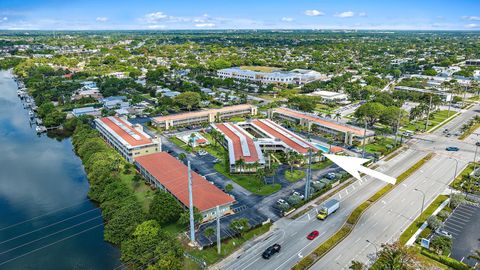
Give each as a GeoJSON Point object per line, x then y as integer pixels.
{"type": "Point", "coordinates": [191, 139]}
{"type": "Point", "coordinates": [182, 156]}
{"type": "Point", "coordinates": [240, 164]}
{"type": "Point", "coordinates": [337, 116]}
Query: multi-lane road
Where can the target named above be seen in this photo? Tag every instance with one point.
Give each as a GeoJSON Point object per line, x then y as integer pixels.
{"type": "Point", "coordinates": [382, 222]}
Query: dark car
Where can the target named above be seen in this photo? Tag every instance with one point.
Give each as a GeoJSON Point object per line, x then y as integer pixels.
{"type": "Point", "coordinates": [452, 148]}
{"type": "Point", "coordinates": [275, 248]}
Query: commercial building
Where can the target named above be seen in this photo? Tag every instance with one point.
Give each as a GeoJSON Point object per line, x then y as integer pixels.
{"type": "Point", "coordinates": [296, 76]}
{"type": "Point", "coordinates": [86, 111]}
{"type": "Point", "coordinates": [171, 175]}
{"type": "Point", "coordinates": [473, 62]}
{"type": "Point", "coordinates": [115, 102]}
{"type": "Point", "coordinates": [329, 96]}
{"type": "Point", "coordinates": [205, 116]}
{"type": "Point", "coordinates": [244, 153]}
{"type": "Point", "coordinates": [246, 141]}
{"type": "Point", "coordinates": [348, 133]}
{"type": "Point", "coordinates": [129, 140]}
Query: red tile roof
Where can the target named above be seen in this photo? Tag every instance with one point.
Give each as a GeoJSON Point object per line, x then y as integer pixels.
{"type": "Point", "coordinates": [172, 174]}
{"type": "Point", "coordinates": [237, 146]}
{"type": "Point", "coordinates": [203, 113]}
{"type": "Point", "coordinates": [322, 122]}
{"type": "Point", "coordinates": [123, 134]}
{"type": "Point", "coordinates": [275, 130]}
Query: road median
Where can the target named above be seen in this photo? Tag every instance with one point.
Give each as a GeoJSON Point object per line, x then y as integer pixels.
{"type": "Point", "coordinates": [353, 218]}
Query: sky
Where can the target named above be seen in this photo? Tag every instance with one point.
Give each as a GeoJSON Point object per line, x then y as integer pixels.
{"type": "Point", "coordinates": [239, 14]}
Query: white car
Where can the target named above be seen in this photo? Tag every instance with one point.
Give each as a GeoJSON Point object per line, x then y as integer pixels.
{"type": "Point", "coordinates": [298, 194]}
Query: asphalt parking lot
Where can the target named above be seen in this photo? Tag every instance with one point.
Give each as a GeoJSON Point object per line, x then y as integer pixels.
{"type": "Point", "coordinates": [464, 225]}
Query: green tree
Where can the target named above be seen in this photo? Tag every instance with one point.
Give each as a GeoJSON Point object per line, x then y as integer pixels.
{"type": "Point", "coordinates": [229, 188]}
{"type": "Point", "coordinates": [188, 100]}
{"type": "Point", "coordinates": [356, 265]}
{"type": "Point", "coordinates": [209, 232]}
{"type": "Point", "coordinates": [149, 246]}
{"type": "Point", "coordinates": [239, 225]}
{"type": "Point", "coordinates": [164, 208]}
{"type": "Point", "coordinates": [370, 111]}
{"type": "Point", "coordinates": [394, 257]}
{"type": "Point", "coordinates": [441, 245]}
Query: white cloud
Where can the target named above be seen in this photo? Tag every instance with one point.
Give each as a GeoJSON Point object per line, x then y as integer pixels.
{"type": "Point", "coordinates": [472, 25]}
{"type": "Point", "coordinates": [287, 19]}
{"type": "Point", "coordinates": [346, 14]}
{"type": "Point", "coordinates": [205, 25]}
{"type": "Point", "coordinates": [471, 18]}
{"type": "Point", "coordinates": [155, 17]}
{"type": "Point", "coordinates": [101, 19]}
{"type": "Point", "coordinates": [362, 14]}
{"type": "Point", "coordinates": [314, 12]}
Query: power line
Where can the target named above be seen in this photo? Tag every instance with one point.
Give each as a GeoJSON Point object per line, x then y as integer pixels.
{"type": "Point", "coordinates": [48, 235]}
{"type": "Point", "coordinates": [46, 214]}
{"type": "Point", "coordinates": [47, 226]}
{"type": "Point", "coordinates": [56, 242]}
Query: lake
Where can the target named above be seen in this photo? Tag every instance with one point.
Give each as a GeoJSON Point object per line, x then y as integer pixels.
{"type": "Point", "coordinates": [46, 219]}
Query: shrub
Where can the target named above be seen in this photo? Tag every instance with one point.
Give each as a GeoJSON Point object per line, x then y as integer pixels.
{"type": "Point", "coordinates": [446, 260]}
{"type": "Point", "coordinates": [441, 245]}
{"type": "Point", "coordinates": [433, 222]}
{"type": "Point", "coordinates": [456, 200]}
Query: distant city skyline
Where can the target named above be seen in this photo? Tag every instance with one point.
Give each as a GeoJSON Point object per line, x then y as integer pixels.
{"type": "Point", "coordinates": [247, 14]}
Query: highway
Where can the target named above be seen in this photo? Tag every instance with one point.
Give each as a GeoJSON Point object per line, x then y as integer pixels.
{"type": "Point", "coordinates": [384, 221]}
{"type": "Point", "coordinates": [388, 218]}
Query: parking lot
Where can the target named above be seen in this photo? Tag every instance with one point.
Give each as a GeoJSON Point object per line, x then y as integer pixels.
{"type": "Point", "coordinates": [464, 226]}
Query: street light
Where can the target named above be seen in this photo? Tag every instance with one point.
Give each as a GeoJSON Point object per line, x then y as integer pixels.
{"type": "Point", "coordinates": [423, 198]}
{"type": "Point", "coordinates": [477, 144]}
{"type": "Point", "coordinates": [454, 176]}
{"type": "Point", "coordinates": [375, 246]}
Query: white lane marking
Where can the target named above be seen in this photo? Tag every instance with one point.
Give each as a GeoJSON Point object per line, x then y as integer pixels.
{"type": "Point", "coordinates": [353, 186]}
{"type": "Point", "coordinates": [340, 195]}
{"type": "Point", "coordinates": [346, 191]}
{"type": "Point", "coordinates": [338, 257]}
{"type": "Point", "coordinates": [293, 234]}
{"type": "Point", "coordinates": [311, 242]}
{"type": "Point", "coordinates": [403, 184]}
{"type": "Point", "coordinates": [386, 227]}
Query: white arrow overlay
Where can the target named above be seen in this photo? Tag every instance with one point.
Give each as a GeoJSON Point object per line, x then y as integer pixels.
{"type": "Point", "coordinates": [353, 166]}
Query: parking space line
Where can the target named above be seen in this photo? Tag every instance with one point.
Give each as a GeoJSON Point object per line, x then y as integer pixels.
{"type": "Point", "coordinates": [458, 220]}
{"type": "Point", "coordinates": [455, 225]}
{"type": "Point", "coordinates": [448, 228]}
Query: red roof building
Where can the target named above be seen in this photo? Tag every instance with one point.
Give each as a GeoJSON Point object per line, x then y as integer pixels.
{"type": "Point", "coordinates": [168, 173]}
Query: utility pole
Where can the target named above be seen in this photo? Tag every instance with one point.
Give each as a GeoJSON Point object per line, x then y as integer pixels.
{"type": "Point", "coordinates": [190, 205]}
{"type": "Point", "coordinates": [428, 114]}
{"type": "Point", "coordinates": [398, 125]}
{"type": "Point", "coordinates": [309, 174]}
{"type": "Point", "coordinates": [364, 138]}
{"type": "Point", "coordinates": [219, 243]}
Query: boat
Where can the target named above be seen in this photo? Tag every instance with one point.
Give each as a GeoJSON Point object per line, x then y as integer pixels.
{"type": "Point", "coordinates": [31, 114]}
{"type": "Point", "coordinates": [40, 129]}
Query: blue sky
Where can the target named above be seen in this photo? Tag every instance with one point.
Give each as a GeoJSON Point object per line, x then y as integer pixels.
{"type": "Point", "coordinates": [243, 14]}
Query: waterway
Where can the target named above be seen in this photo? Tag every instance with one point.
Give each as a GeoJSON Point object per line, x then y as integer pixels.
{"type": "Point", "coordinates": [46, 219]}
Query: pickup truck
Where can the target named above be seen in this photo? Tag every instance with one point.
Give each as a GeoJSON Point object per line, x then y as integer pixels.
{"type": "Point", "coordinates": [328, 208]}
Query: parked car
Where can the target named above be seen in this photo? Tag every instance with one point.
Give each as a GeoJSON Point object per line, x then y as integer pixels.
{"type": "Point", "coordinates": [312, 235]}
{"type": "Point", "coordinates": [216, 160]}
{"type": "Point", "coordinates": [281, 201]}
{"type": "Point", "coordinates": [452, 148]}
{"type": "Point", "coordinates": [330, 176]}
{"type": "Point", "coordinates": [202, 153]}
{"type": "Point", "coordinates": [443, 232]}
{"type": "Point", "coordinates": [275, 248]}
{"type": "Point", "coordinates": [298, 194]}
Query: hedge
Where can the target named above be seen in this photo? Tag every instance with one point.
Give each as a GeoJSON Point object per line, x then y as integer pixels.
{"type": "Point", "coordinates": [446, 260]}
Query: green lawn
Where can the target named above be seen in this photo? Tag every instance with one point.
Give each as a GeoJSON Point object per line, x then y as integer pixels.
{"type": "Point", "coordinates": [180, 144]}
{"type": "Point", "coordinates": [210, 254]}
{"type": "Point", "coordinates": [408, 233]}
{"type": "Point", "coordinates": [295, 175]}
{"type": "Point", "coordinates": [249, 182]}
{"type": "Point", "coordinates": [321, 165]}
{"type": "Point", "coordinates": [143, 192]}
{"type": "Point", "coordinates": [435, 119]}
{"type": "Point", "coordinates": [380, 146]}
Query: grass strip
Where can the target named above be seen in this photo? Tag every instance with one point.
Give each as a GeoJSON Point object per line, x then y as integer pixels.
{"type": "Point", "coordinates": [469, 131]}
{"type": "Point", "coordinates": [407, 234]}
{"type": "Point", "coordinates": [352, 220]}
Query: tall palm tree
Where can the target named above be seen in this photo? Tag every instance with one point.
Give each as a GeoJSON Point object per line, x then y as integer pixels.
{"type": "Point", "coordinates": [240, 164]}
{"type": "Point", "coordinates": [337, 116]}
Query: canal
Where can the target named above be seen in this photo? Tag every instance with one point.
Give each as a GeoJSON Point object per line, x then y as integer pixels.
{"type": "Point", "coordinates": [46, 219]}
